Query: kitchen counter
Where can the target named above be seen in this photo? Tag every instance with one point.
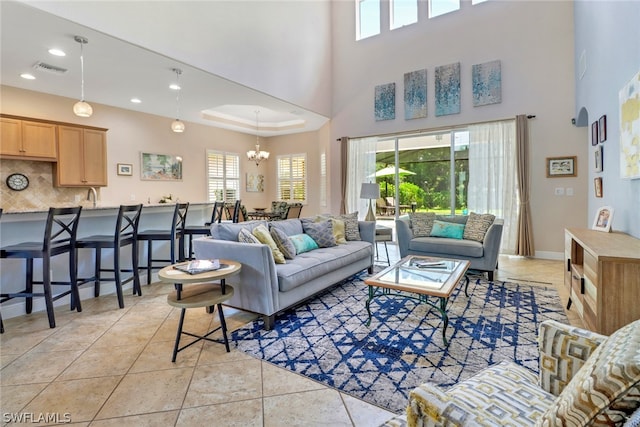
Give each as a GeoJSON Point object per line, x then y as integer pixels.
{"type": "Point", "coordinates": [25, 226]}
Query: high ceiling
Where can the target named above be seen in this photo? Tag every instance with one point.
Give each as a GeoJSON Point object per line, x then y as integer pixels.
{"type": "Point", "coordinates": [116, 71]}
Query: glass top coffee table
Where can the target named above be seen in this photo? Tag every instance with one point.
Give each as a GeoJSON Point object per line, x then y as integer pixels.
{"type": "Point", "coordinates": [420, 278]}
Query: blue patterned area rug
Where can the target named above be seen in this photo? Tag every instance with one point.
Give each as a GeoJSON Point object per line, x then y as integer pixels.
{"type": "Point", "coordinates": [326, 338]}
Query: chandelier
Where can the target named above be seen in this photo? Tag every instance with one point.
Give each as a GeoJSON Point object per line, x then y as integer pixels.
{"type": "Point", "coordinates": [257, 155]}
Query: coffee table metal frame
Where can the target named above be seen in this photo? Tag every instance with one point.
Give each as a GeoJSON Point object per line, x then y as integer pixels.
{"type": "Point", "coordinates": [170, 275]}
{"type": "Point", "coordinates": [404, 276]}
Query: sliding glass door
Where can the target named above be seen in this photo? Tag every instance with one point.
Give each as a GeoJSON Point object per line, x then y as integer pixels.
{"type": "Point", "coordinates": [424, 172]}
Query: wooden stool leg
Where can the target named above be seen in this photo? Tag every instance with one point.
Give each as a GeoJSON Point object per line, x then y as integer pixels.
{"type": "Point", "coordinates": [223, 324]}
{"type": "Point", "coordinates": [178, 335]}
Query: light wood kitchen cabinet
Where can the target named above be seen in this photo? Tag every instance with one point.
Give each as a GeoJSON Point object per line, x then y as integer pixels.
{"type": "Point", "coordinates": [603, 277]}
{"type": "Point", "coordinates": [28, 140]}
{"type": "Point", "coordinates": [82, 157]}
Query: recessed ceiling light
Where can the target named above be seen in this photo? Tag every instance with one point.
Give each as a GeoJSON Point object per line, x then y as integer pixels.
{"type": "Point", "coordinates": [57, 52]}
{"type": "Point", "coordinates": [174, 86]}
{"type": "Point", "coordinates": [136, 100]}
{"type": "Point", "coordinates": [27, 76]}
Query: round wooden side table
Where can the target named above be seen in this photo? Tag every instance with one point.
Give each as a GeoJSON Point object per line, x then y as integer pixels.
{"type": "Point", "coordinates": [200, 293]}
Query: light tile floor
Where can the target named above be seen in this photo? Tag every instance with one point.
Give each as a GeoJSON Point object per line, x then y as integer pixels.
{"type": "Point", "coordinates": [112, 367]}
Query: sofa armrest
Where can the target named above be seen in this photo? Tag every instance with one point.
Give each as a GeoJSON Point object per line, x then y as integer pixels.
{"type": "Point", "coordinates": [257, 283]}
{"type": "Point", "coordinates": [428, 406]}
{"type": "Point", "coordinates": [491, 243]}
{"type": "Point", "coordinates": [404, 234]}
{"type": "Point", "coordinates": [367, 231]}
{"type": "Point", "coordinates": [563, 351]}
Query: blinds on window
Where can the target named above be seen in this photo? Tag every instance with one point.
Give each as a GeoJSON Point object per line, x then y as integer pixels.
{"type": "Point", "coordinates": [292, 178]}
{"type": "Point", "coordinates": [223, 176]}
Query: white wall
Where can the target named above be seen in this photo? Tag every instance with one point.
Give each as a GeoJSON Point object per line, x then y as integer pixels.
{"type": "Point", "coordinates": [533, 40]}
{"type": "Point", "coordinates": [612, 55]}
{"type": "Point", "coordinates": [281, 48]}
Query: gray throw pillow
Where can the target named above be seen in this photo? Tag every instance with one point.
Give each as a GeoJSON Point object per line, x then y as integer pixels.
{"type": "Point", "coordinates": [320, 232]}
{"type": "Point", "coordinates": [422, 223]}
{"type": "Point", "coordinates": [477, 226]}
{"type": "Point", "coordinates": [245, 236]}
{"type": "Point", "coordinates": [283, 242]}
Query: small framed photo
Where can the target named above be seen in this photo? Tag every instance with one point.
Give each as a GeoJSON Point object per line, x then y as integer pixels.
{"type": "Point", "coordinates": [597, 186]}
{"type": "Point", "coordinates": [603, 219]}
{"type": "Point", "coordinates": [595, 136]}
{"type": "Point", "coordinates": [602, 126]}
{"type": "Point", "coordinates": [598, 158]}
{"type": "Point", "coordinates": [125, 169]}
{"type": "Point", "coordinates": [561, 167]}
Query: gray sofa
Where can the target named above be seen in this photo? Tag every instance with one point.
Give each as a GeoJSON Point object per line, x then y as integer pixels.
{"type": "Point", "coordinates": [483, 256]}
{"type": "Point", "coordinates": [267, 288]}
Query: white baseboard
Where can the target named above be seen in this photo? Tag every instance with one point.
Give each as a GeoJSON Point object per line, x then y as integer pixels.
{"type": "Point", "coordinates": [550, 255]}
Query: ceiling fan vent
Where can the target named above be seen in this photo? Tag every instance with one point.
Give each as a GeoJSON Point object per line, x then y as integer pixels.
{"type": "Point", "coordinates": [43, 66]}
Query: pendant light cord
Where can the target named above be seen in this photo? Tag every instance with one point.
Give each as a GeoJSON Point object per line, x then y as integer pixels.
{"type": "Point", "coordinates": [82, 71]}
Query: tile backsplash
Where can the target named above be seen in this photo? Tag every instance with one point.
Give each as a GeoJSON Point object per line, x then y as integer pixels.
{"type": "Point", "coordinates": [41, 194]}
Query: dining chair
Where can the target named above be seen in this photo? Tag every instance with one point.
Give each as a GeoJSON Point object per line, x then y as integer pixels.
{"type": "Point", "coordinates": [203, 230]}
{"type": "Point", "coordinates": [173, 234]}
{"type": "Point", "coordinates": [234, 212]}
{"type": "Point", "coordinates": [125, 234]}
{"type": "Point", "coordinates": [293, 210]}
{"type": "Point", "coordinates": [59, 238]}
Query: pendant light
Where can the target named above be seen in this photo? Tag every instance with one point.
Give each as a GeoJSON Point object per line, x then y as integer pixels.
{"type": "Point", "coordinates": [177, 126]}
{"type": "Point", "coordinates": [82, 108]}
{"type": "Point", "coordinates": [257, 155]}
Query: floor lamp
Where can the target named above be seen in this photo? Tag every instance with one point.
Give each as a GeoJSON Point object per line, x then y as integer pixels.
{"type": "Point", "coordinates": [370, 191]}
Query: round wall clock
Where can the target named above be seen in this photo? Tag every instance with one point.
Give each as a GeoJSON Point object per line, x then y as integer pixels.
{"type": "Point", "coordinates": [17, 181]}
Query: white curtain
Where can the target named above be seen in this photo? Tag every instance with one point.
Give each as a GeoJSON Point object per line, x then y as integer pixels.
{"type": "Point", "coordinates": [493, 181]}
{"type": "Point", "coordinates": [361, 155]}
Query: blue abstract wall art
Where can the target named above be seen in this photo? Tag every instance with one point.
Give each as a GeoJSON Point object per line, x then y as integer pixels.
{"type": "Point", "coordinates": [415, 94]}
{"type": "Point", "coordinates": [385, 102]}
{"type": "Point", "coordinates": [448, 89]}
{"type": "Point", "coordinates": [487, 83]}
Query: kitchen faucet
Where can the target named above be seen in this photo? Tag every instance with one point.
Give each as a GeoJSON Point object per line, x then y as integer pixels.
{"type": "Point", "coordinates": [90, 192]}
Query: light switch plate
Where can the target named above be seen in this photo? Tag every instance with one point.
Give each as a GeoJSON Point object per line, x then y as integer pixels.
{"type": "Point", "coordinates": [559, 191]}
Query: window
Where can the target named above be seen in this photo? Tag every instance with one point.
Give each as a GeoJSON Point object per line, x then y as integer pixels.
{"type": "Point", "coordinates": [223, 176]}
{"type": "Point", "coordinates": [440, 7]}
{"type": "Point", "coordinates": [403, 12]}
{"type": "Point", "coordinates": [367, 18]}
{"type": "Point", "coordinates": [292, 178]}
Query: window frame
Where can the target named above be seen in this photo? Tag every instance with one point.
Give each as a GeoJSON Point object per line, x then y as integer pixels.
{"type": "Point", "coordinates": [224, 178]}
{"type": "Point", "coordinates": [289, 158]}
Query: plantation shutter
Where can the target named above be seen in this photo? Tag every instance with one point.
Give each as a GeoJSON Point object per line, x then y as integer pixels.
{"type": "Point", "coordinates": [292, 178]}
{"type": "Point", "coordinates": [223, 176]}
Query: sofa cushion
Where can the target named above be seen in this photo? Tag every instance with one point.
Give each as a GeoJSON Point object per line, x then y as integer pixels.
{"type": "Point", "coordinates": [446, 247]}
{"type": "Point", "coordinates": [303, 243]}
{"type": "Point", "coordinates": [606, 389]}
{"type": "Point", "coordinates": [477, 226]}
{"type": "Point", "coordinates": [321, 232]}
{"type": "Point", "coordinates": [245, 236]}
{"type": "Point", "coordinates": [283, 242]}
{"type": "Point", "coordinates": [422, 223]}
{"type": "Point", "coordinates": [230, 230]}
{"type": "Point", "coordinates": [291, 227]}
{"type": "Point", "coordinates": [337, 226]}
{"type": "Point", "coordinates": [351, 227]}
{"type": "Point", "coordinates": [262, 233]}
{"type": "Point", "coordinates": [311, 265]}
{"type": "Point", "coordinates": [450, 230]}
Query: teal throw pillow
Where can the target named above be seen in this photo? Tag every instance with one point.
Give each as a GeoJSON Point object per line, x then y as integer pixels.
{"type": "Point", "coordinates": [284, 243]}
{"type": "Point", "coordinates": [321, 232]}
{"type": "Point", "coordinates": [303, 243]}
{"type": "Point", "coordinates": [451, 230]}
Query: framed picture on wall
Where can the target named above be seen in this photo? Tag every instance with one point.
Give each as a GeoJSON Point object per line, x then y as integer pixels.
{"type": "Point", "coordinates": [595, 136]}
{"type": "Point", "coordinates": [598, 158]}
{"type": "Point", "coordinates": [125, 169]}
{"type": "Point", "coordinates": [602, 126]}
{"type": "Point", "coordinates": [597, 186]}
{"type": "Point", "coordinates": [561, 167]}
{"type": "Point", "coordinates": [160, 167]}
